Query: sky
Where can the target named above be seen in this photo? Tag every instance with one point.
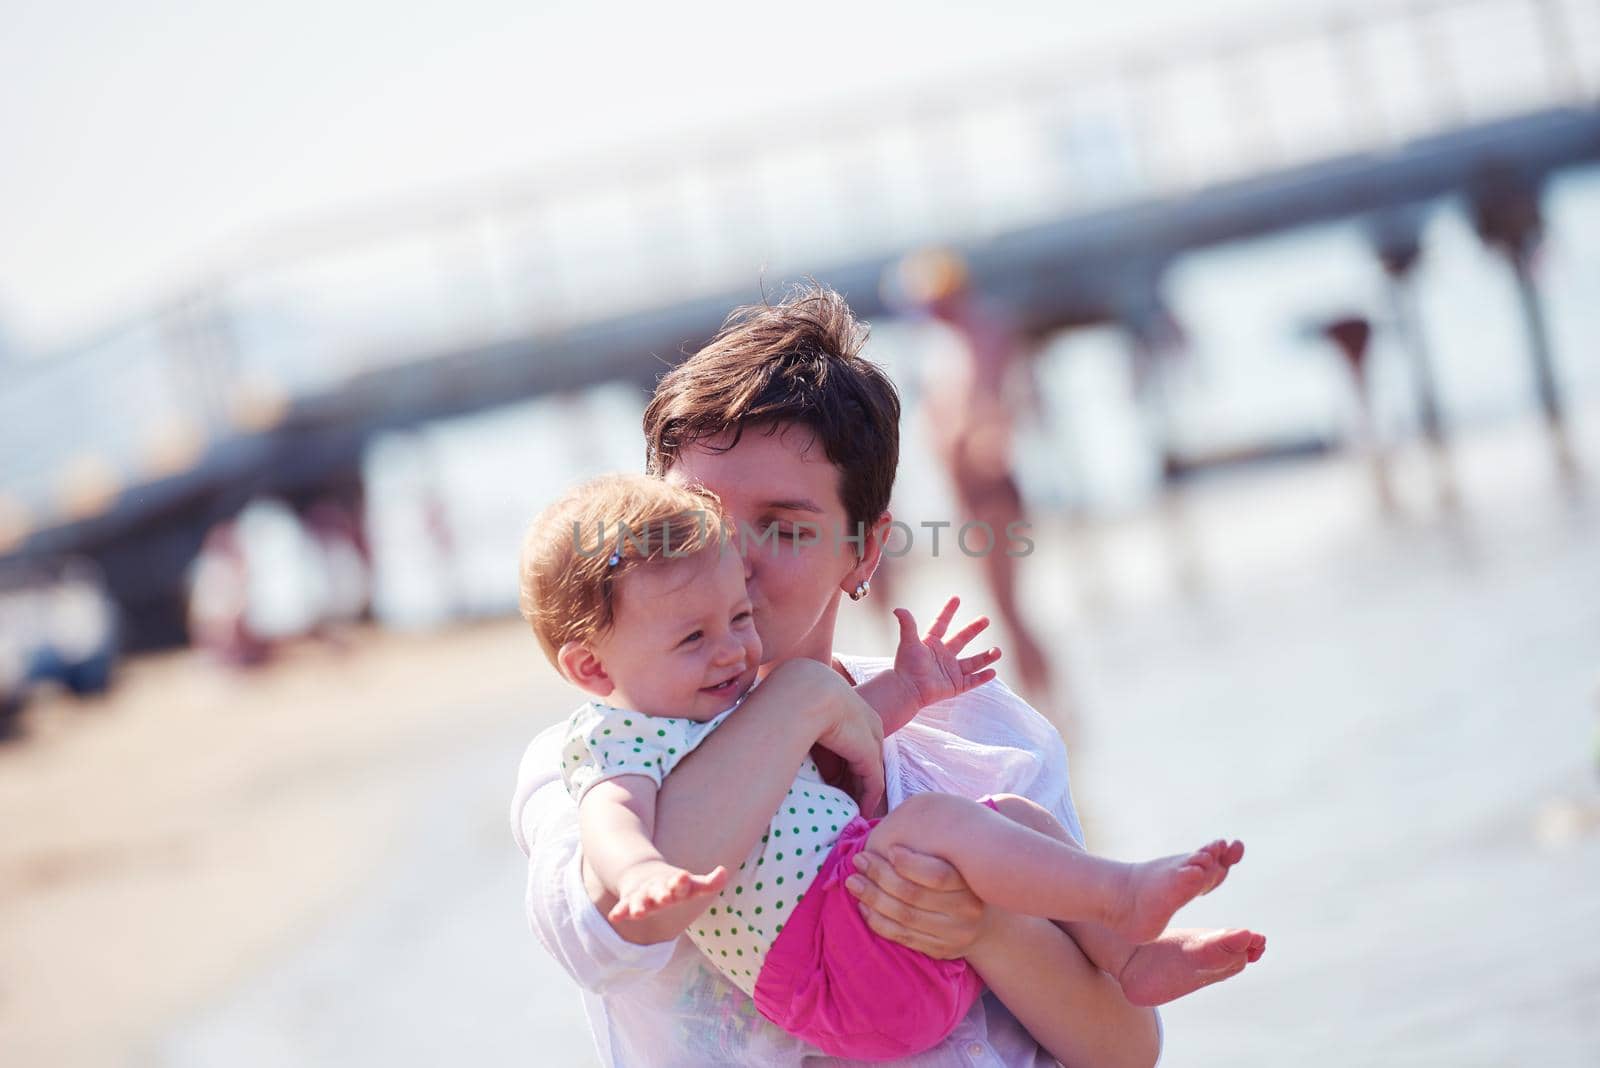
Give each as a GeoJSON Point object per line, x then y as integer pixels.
{"type": "Point", "coordinates": [143, 142]}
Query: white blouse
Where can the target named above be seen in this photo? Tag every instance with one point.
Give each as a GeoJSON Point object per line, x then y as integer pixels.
{"type": "Point", "coordinates": [664, 1005]}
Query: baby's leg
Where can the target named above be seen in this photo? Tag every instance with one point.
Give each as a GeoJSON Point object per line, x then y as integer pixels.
{"type": "Point", "coordinates": [1154, 973]}
{"type": "Point", "coordinates": [1108, 950]}
{"type": "Point", "coordinates": [1017, 868]}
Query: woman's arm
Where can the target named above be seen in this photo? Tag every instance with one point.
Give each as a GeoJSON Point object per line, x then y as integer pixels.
{"type": "Point", "coordinates": [708, 815]}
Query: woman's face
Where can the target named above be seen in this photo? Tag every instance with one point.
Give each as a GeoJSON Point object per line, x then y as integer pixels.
{"type": "Point", "coordinates": [773, 481]}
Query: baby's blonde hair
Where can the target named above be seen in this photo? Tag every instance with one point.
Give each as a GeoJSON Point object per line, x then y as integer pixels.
{"type": "Point", "coordinates": [578, 549]}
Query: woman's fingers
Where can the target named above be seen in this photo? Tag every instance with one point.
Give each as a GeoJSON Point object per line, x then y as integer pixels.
{"type": "Point", "coordinates": [894, 919]}
{"type": "Point", "coordinates": [940, 879]}
{"type": "Point", "coordinates": [926, 871]}
{"type": "Point", "coordinates": [940, 923]}
{"type": "Point", "coordinates": [884, 927]}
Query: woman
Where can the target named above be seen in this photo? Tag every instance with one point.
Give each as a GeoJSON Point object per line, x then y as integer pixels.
{"type": "Point", "coordinates": [799, 437]}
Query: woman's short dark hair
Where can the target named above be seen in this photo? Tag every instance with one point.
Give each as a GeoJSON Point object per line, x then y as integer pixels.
{"type": "Point", "coordinates": [797, 361]}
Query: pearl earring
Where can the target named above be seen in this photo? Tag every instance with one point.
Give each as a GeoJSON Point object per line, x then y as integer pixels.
{"type": "Point", "coordinates": [860, 591]}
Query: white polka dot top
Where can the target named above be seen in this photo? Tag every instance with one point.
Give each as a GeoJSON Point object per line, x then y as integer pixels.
{"type": "Point", "coordinates": [744, 920]}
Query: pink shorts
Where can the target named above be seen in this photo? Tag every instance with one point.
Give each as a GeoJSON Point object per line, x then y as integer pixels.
{"type": "Point", "coordinates": [830, 980]}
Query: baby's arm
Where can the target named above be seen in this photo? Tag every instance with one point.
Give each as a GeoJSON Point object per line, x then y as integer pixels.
{"type": "Point", "coordinates": [708, 815]}
{"type": "Point", "coordinates": [616, 819]}
{"type": "Point", "coordinates": [928, 669]}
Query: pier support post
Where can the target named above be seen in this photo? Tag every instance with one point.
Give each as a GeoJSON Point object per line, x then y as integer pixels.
{"type": "Point", "coordinates": [1506, 212]}
{"type": "Point", "coordinates": [1352, 336]}
{"type": "Point", "coordinates": [1397, 240]}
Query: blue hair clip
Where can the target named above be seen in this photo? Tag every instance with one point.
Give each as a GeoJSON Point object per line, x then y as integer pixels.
{"type": "Point", "coordinates": [616, 558]}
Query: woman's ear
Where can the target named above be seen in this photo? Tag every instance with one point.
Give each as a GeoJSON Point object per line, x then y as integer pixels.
{"type": "Point", "coordinates": [871, 554]}
{"type": "Point", "coordinates": [584, 670]}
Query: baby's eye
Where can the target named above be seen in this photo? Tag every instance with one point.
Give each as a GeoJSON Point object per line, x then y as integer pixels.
{"type": "Point", "coordinates": [694, 637]}
{"type": "Point", "coordinates": [743, 616]}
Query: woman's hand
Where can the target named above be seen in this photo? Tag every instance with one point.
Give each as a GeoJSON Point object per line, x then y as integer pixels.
{"type": "Point", "coordinates": [918, 901]}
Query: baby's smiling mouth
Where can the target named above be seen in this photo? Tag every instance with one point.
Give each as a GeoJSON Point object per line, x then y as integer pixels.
{"type": "Point", "coordinates": [725, 683]}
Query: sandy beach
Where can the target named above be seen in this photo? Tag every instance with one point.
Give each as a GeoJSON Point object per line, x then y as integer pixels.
{"type": "Point", "coordinates": [168, 841]}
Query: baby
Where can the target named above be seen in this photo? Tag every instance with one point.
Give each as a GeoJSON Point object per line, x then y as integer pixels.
{"type": "Point", "coordinates": [638, 599]}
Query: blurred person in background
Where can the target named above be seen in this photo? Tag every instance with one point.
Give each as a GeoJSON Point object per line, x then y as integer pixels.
{"type": "Point", "coordinates": [57, 625]}
{"type": "Point", "coordinates": [268, 577]}
{"type": "Point", "coordinates": [346, 565]}
{"type": "Point", "coordinates": [969, 405]}
{"type": "Point", "coordinates": [783, 419]}
{"type": "Point", "coordinates": [78, 628]}
{"type": "Point", "coordinates": [219, 593]}
{"type": "Point", "coordinates": [286, 579]}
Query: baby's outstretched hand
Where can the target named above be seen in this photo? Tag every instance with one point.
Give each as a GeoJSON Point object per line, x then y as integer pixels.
{"type": "Point", "coordinates": [654, 885]}
{"type": "Point", "coordinates": [932, 666]}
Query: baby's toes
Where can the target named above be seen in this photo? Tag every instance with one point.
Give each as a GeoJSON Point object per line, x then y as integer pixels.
{"type": "Point", "coordinates": [1223, 855]}
{"type": "Point", "coordinates": [1238, 942]}
{"type": "Point", "coordinates": [1193, 878]}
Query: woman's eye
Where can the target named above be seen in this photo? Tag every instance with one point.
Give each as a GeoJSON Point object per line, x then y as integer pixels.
{"type": "Point", "coordinates": [692, 637]}
{"type": "Point", "coordinates": [743, 616]}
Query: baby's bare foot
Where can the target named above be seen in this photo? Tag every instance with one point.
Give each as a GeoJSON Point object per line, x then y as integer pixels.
{"type": "Point", "coordinates": [1156, 889]}
{"type": "Point", "coordinates": [1181, 962]}
{"type": "Point", "coordinates": [1226, 854]}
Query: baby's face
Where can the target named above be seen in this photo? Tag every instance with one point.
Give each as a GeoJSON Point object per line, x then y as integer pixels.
{"type": "Point", "coordinates": [683, 642]}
